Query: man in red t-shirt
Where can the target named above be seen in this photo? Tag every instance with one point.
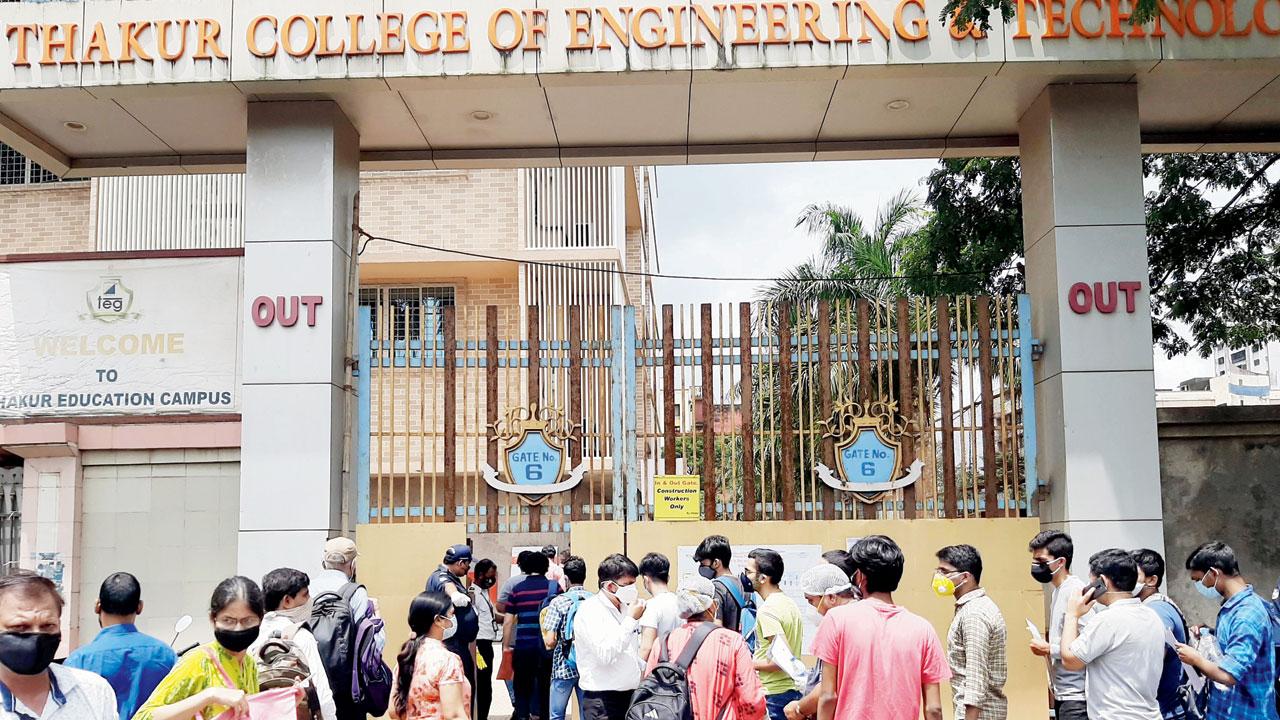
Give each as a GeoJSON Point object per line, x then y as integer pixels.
{"type": "Point", "coordinates": [880, 661]}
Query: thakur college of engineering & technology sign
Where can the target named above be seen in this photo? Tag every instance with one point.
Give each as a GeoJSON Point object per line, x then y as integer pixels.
{"type": "Point", "coordinates": [66, 44]}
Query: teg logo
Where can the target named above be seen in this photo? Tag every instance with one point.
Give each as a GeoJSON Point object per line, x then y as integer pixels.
{"type": "Point", "coordinates": [285, 311]}
{"type": "Point", "coordinates": [1083, 297]}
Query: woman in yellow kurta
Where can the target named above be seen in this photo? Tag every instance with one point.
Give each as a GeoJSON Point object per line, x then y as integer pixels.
{"type": "Point", "coordinates": [196, 686]}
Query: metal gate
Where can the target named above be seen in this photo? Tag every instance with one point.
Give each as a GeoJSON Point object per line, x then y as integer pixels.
{"type": "Point", "coordinates": [10, 518]}
{"type": "Point", "coordinates": [734, 393]}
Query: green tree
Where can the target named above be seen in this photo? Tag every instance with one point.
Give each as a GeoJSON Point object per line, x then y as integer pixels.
{"type": "Point", "coordinates": [1213, 240]}
{"type": "Point", "coordinates": [855, 261]}
{"type": "Point", "coordinates": [979, 12]}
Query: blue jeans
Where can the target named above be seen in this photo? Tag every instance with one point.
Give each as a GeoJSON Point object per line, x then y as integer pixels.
{"type": "Point", "coordinates": [775, 703]}
{"type": "Point", "coordinates": [560, 692]}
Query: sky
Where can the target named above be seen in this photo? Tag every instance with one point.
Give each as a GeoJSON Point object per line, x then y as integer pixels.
{"type": "Point", "coordinates": [739, 221]}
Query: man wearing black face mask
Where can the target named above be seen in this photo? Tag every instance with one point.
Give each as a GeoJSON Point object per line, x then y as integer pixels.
{"type": "Point", "coordinates": [1051, 553]}
{"type": "Point", "coordinates": [489, 631]}
{"type": "Point", "coordinates": [713, 556]}
{"type": "Point", "coordinates": [30, 685]}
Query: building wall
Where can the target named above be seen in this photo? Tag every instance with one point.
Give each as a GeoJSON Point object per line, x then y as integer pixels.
{"type": "Point", "coordinates": [1217, 470]}
{"type": "Point", "coordinates": [170, 517]}
{"type": "Point", "coordinates": [465, 209]}
{"type": "Point", "coordinates": [45, 218]}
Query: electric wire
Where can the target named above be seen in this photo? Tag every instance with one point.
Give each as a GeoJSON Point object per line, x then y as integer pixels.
{"type": "Point", "coordinates": [368, 238]}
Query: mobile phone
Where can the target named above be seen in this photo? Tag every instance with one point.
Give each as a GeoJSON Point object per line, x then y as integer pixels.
{"type": "Point", "coordinates": [1094, 590]}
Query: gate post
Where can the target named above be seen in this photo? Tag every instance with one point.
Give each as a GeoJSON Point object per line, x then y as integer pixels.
{"type": "Point", "coordinates": [1025, 342]}
{"type": "Point", "coordinates": [364, 411]}
{"type": "Point", "coordinates": [617, 397]}
{"type": "Point", "coordinates": [630, 464]}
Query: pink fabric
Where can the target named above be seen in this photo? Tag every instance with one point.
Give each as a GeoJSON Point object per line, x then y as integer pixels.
{"type": "Point", "coordinates": [277, 704]}
{"type": "Point", "coordinates": [433, 667]}
{"type": "Point", "coordinates": [722, 676]}
{"type": "Point", "coordinates": [884, 656]}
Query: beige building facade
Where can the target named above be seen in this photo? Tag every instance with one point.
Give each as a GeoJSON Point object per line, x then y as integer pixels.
{"type": "Point", "coordinates": [90, 491]}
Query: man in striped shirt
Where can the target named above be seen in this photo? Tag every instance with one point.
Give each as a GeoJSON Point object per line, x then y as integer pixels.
{"type": "Point", "coordinates": [976, 640]}
{"type": "Point", "coordinates": [522, 632]}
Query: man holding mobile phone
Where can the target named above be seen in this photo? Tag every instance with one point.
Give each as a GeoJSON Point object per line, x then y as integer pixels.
{"type": "Point", "coordinates": [1123, 648]}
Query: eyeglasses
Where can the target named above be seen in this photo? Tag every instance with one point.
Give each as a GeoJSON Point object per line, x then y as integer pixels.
{"type": "Point", "coordinates": [230, 623]}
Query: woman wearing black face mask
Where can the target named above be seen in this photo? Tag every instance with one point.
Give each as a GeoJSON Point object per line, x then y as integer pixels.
{"type": "Point", "coordinates": [219, 676]}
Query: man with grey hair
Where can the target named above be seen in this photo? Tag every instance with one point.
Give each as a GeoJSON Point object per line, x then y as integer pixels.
{"type": "Point", "coordinates": [722, 670]}
{"type": "Point", "coordinates": [825, 586]}
{"type": "Point", "coordinates": [339, 579]}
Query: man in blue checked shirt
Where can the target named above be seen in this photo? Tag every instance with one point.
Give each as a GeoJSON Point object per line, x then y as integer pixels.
{"type": "Point", "coordinates": [1245, 676]}
{"type": "Point", "coordinates": [132, 662]}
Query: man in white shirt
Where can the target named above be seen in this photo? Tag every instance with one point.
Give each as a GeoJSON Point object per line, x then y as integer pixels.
{"type": "Point", "coordinates": [606, 638]}
{"type": "Point", "coordinates": [30, 685]}
{"type": "Point", "coordinates": [1122, 648]}
{"type": "Point", "coordinates": [288, 601]}
{"type": "Point", "coordinates": [661, 613]}
{"type": "Point", "coordinates": [1051, 554]}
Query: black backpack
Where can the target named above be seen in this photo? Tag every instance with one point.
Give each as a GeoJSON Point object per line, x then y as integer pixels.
{"type": "Point", "coordinates": [360, 680]}
{"type": "Point", "coordinates": [664, 693]}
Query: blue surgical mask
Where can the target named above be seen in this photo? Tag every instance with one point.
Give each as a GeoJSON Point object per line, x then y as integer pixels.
{"type": "Point", "coordinates": [1208, 591]}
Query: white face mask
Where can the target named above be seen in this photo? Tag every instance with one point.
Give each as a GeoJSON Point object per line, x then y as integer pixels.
{"type": "Point", "coordinates": [299, 614]}
{"type": "Point", "coordinates": [627, 594]}
{"type": "Point", "coordinates": [453, 627]}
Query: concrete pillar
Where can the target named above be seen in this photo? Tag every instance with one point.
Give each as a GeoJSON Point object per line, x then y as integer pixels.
{"type": "Point", "coordinates": [1083, 222]}
{"type": "Point", "coordinates": [301, 179]}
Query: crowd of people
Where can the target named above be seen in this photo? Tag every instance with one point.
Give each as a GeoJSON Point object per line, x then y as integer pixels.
{"type": "Point", "coordinates": [722, 646]}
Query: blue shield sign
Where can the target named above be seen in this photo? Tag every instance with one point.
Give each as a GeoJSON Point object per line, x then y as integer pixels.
{"type": "Point", "coordinates": [869, 460]}
{"type": "Point", "coordinates": [534, 461]}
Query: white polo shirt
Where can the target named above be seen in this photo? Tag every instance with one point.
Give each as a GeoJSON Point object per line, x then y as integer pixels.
{"type": "Point", "coordinates": [1123, 651]}
{"type": "Point", "coordinates": [608, 645]}
{"type": "Point", "coordinates": [73, 695]}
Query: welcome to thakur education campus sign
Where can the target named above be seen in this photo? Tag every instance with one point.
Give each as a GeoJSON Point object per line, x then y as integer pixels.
{"type": "Point", "coordinates": [106, 43]}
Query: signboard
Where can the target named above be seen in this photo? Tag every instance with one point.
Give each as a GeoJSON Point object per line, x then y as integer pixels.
{"type": "Point", "coordinates": [795, 559]}
{"type": "Point", "coordinates": [535, 454]}
{"type": "Point", "coordinates": [109, 337]}
{"type": "Point", "coordinates": [677, 498]}
{"type": "Point", "coordinates": [868, 450]}
{"type": "Point", "coordinates": [141, 42]}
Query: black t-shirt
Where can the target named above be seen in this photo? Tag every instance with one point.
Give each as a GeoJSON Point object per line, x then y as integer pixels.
{"type": "Point", "coordinates": [729, 607]}
{"type": "Point", "coordinates": [468, 621]}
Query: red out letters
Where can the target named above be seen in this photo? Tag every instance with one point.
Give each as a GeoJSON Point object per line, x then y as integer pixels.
{"type": "Point", "coordinates": [284, 310]}
{"type": "Point", "coordinates": [1104, 297]}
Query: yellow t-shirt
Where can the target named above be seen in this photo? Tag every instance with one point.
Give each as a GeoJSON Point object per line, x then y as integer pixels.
{"type": "Point", "coordinates": [196, 672]}
{"type": "Point", "coordinates": [778, 618]}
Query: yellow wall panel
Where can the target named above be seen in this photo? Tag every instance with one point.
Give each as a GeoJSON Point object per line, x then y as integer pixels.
{"type": "Point", "coordinates": [394, 563]}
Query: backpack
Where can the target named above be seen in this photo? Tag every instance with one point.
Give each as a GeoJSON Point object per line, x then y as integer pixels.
{"type": "Point", "coordinates": [360, 680]}
{"type": "Point", "coordinates": [281, 664]}
{"type": "Point", "coordinates": [664, 693]}
{"type": "Point", "coordinates": [746, 610]}
{"type": "Point", "coordinates": [1194, 702]}
{"type": "Point", "coordinates": [566, 635]}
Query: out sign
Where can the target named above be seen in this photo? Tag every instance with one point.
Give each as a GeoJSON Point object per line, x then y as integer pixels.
{"type": "Point", "coordinates": [285, 311]}
{"type": "Point", "coordinates": [1083, 297]}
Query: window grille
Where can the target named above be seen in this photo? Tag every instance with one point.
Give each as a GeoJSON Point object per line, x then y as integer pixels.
{"type": "Point", "coordinates": [412, 313]}
{"type": "Point", "coordinates": [18, 169]}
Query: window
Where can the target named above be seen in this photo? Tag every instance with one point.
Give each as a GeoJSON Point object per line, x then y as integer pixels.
{"type": "Point", "coordinates": [17, 169]}
{"type": "Point", "coordinates": [1222, 361]}
{"type": "Point", "coordinates": [1237, 357]}
{"type": "Point", "coordinates": [407, 312]}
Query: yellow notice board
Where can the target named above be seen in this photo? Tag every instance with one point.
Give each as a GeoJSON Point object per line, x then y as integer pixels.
{"type": "Point", "coordinates": [677, 497]}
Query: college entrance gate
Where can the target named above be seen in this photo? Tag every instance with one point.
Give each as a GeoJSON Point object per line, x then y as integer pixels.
{"type": "Point", "coordinates": [737, 394]}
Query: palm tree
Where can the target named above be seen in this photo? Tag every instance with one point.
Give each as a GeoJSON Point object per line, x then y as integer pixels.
{"type": "Point", "coordinates": [854, 261]}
